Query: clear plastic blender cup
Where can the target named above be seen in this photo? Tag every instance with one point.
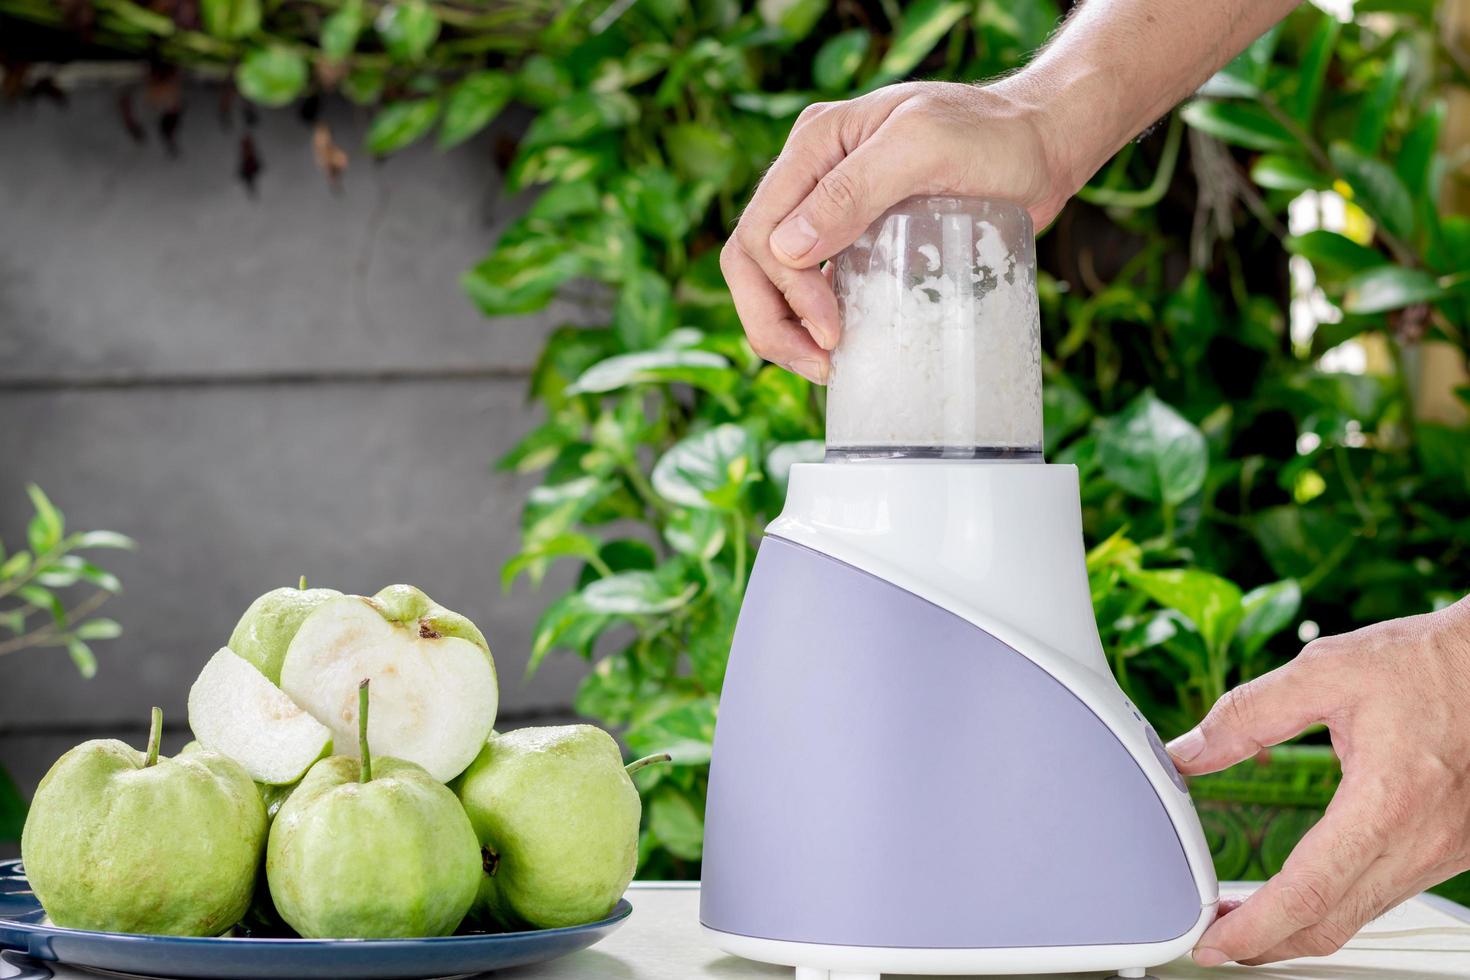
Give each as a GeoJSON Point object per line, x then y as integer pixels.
{"type": "Point", "coordinates": [940, 353]}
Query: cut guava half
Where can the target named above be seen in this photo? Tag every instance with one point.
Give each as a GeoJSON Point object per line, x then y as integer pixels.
{"type": "Point", "coordinates": [235, 711]}
{"type": "Point", "coordinates": [434, 693]}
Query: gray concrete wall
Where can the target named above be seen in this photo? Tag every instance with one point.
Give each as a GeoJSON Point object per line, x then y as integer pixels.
{"type": "Point", "coordinates": [255, 389]}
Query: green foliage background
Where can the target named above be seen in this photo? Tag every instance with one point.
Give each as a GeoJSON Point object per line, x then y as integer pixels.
{"type": "Point", "coordinates": [1232, 488]}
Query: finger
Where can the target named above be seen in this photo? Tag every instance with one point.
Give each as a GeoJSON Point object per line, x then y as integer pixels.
{"type": "Point", "coordinates": [1380, 888]}
{"type": "Point", "coordinates": [1324, 866]}
{"type": "Point", "coordinates": [1266, 711]}
{"type": "Point", "coordinates": [874, 177]}
{"type": "Point", "coordinates": [774, 332]}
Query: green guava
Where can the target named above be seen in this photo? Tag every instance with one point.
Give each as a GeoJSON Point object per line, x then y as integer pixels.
{"type": "Point", "coordinates": [434, 687]}
{"type": "Point", "coordinates": [557, 818]}
{"type": "Point", "coordinates": [265, 630]}
{"type": "Point", "coordinates": [372, 849]}
{"type": "Point", "coordinates": [119, 840]}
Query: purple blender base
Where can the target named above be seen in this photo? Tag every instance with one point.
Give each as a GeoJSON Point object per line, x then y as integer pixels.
{"type": "Point", "coordinates": [887, 774]}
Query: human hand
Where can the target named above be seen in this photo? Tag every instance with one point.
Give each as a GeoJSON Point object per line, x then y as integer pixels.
{"type": "Point", "coordinates": [1394, 698]}
{"type": "Point", "coordinates": [845, 163]}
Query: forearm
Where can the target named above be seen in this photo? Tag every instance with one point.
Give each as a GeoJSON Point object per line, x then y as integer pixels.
{"type": "Point", "coordinates": [1118, 65]}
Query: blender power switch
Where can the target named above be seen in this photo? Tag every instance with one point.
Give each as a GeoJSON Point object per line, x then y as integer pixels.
{"type": "Point", "coordinates": [1157, 744]}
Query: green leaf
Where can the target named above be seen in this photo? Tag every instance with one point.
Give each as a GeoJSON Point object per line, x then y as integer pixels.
{"type": "Point", "coordinates": [698, 368]}
{"type": "Point", "coordinates": [637, 593]}
{"type": "Point", "coordinates": [1244, 76]}
{"type": "Point", "coordinates": [104, 539]}
{"type": "Point", "coordinates": [1153, 452]}
{"type": "Point", "coordinates": [700, 534]}
{"type": "Point", "coordinates": [12, 809]}
{"type": "Point", "coordinates": [653, 198]}
{"type": "Point", "coordinates": [539, 553]}
{"type": "Point", "coordinates": [1064, 410]}
{"type": "Point", "coordinates": [777, 105]}
{"type": "Point", "coordinates": [341, 30]}
{"type": "Point", "coordinates": [1267, 610]}
{"type": "Point", "coordinates": [272, 76]}
{"type": "Point", "coordinates": [580, 117]}
{"type": "Point", "coordinates": [1415, 161]}
{"type": "Point", "coordinates": [684, 732]}
{"type": "Point", "coordinates": [473, 104]}
{"type": "Point", "coordinates": [230, 19]}
{"type": "Point", "coordinates": [707, 469]}
{"type": "Point", "coordinates": [838, 60]}
{"type": "Point", "coordinates": [1378, 105]}
{"type": "Point", "coordinates": [398, 124]}
{"type": "Point", "coordinates": [99, 629]}
{"type": "Point", "coordinates": [676, 822]}
{"type": "Point", "coordinates": [47, 526]}
{"type": "Point", "coordinates": [1313, 68]}
{"type": "Point", "coordinates": [645, 311]}
{"type": "Point", "coordinates": [566, 624]}
{"type": "Point", "coordinates": [1244, 124]}
{"type": "Point", "coordinates": [15, 566]}
{"type": "Point", "coordinates": [1376, 187]}
{"type": "Point", "coordinates": [1333, 254]}
{"type": "Point", "coordinates": [363, 86]}
{"type": "Point", "coordinates": [82, 656]}
{"type": "Point", "coordinates": [1276, 172]}
{"type": "Point", "coordinates": [1390, 287]}
{"type": "Point", "coordinates": [45, 600]}
{"type": "Point", "coordinates": [922, 26]}
{"type": "Point", "coordinates": [521, 277]}
{"type": "Point", "coordinates": [795, 18]}
{"type": "Point", "coordinates": [701, 153]}
{"type": "Point", "coordinates": [1212, 604]}
{"type": "Point", "coordinates": [611, 691]}
{"type": "Point", "coordinates": [408, 29]}
{"type": "Point", "coordinates": [1192, 316]}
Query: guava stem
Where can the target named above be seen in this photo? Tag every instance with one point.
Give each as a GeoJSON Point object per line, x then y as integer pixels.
{"type": "Point", "coordinates": [365, 773]}
{"type": "Point", "coordinates": [155, 737]}
{"type": "Point", "coordinates": [647, 760]}
{"type": "Point", "coordinates": [301, 583]}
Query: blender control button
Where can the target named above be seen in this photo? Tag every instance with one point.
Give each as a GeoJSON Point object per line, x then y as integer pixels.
{"type": "Point", "coordinates": [1157, 744]}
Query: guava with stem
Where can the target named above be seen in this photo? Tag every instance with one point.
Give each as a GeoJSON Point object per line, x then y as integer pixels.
{"type": "Point", "coordinates": [557, 815]}
{"type": "Point", "coordinates": [267, 626]}
{"type": "Point", "coordinates": [119, 840]}
{"type": "Point", "coordinates": [371, 848]}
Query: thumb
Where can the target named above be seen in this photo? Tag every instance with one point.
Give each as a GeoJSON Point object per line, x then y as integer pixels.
{"type": "Point", "coordinates": [1266, 711]}
{"type": "Point", "coordinates": [848, 198]}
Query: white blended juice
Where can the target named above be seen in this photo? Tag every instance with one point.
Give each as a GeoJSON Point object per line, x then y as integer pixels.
{"type": "Point", "coordinates": [940, 354]}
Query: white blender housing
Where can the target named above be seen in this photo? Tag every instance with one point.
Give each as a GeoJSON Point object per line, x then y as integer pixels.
{"type": "Point", "coordinates": [923, 763]}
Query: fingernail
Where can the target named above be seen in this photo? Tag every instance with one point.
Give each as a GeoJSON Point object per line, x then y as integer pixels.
{"type": "Point", "coordinates": [826, 339]}
{"type": "Point", "coordinates": [794, 238]}
{"type": "Point", "coordinates": [1210, 957]}
{"type": "Point", "coordinates": [1187, 746]}
{"type": "Point", "coordinates": [809, 368]}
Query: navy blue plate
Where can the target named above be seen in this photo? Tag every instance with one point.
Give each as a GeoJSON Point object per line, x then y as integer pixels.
{"type": "Point", "coordinates": [22, 927]}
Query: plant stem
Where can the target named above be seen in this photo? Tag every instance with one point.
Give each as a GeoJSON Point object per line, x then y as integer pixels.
{"type": "Point", "coordinates": [365, 771]}
{"type": "Point", "coordinates": [647, 760]}
{"type": "Point", "coordinates": [155, 736]}
{"type": "Point", "coordinates": [301, 583]}
{"type": "Point", "coordinates": [49, 635]}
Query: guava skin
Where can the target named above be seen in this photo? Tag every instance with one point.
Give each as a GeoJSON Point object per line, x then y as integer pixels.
{"type": "Point", "coordinates": [391, 858]}
{"type": "Point", "coordinates": [406, 604]}
{"type": "Point", "coordinates": [265, 630]}
{"type": "Point", "coordinates": [169, 849]}
{"type": "Point", "coordinates": [557, 817]}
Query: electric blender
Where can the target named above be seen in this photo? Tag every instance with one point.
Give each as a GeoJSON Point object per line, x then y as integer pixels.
{"type": "Point", "coordinates": [922, 762]}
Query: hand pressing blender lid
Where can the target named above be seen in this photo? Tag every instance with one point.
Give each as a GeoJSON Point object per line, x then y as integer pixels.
{"type": "Point", "coordinates": [923, 763]}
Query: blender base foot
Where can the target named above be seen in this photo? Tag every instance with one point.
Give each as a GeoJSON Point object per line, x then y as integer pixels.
{"type": "Point", "coordinates": [1131, 973]}
{"type": "Point", "coordinates": [812, 973]}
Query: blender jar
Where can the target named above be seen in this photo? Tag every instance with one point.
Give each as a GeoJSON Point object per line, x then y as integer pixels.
{"type": "Point", "coordinates": [940, 352]}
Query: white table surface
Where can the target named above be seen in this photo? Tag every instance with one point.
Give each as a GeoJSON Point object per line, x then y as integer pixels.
{"type": "Point", "coordinates": [1425, 939]}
